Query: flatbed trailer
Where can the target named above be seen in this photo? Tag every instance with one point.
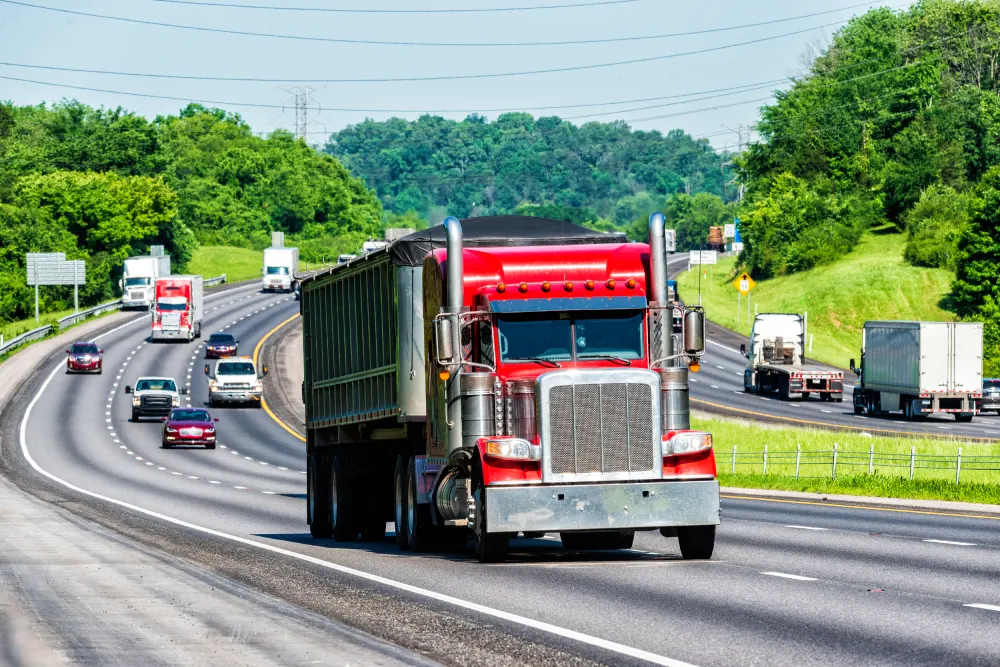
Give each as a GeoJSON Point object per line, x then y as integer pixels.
{"type": "Point", "coordinates": [775, 361]}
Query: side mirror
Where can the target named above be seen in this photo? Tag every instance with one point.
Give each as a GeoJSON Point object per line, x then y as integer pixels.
{"type": "Point", "coordinates": [163, 419]}
{"type": "Point", "coordinates": [207, 371]}
{"type": "Point", "coordinates": [215, 419]}
{"type": "Point", "coordinates": [853, 368]}
{"type": "Point", "coordinates": [67, 351]}
{"type": "Point", "coordinates": [263, 371]}
{"type": "Point", "coordinates": [128, 389]}
{"type": "Point", "coordinates": [183, 391]}
{"type": "Point", "coordinates": [694, 332]}
{"type": "Point", "coordinates": [444, 340]}
{"type": "Point", "coordinates": [743, 350]}
{"type": "Point", "coordinates": [100, 352]}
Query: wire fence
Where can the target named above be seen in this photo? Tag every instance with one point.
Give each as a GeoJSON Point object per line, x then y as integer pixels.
{"type": "Point", "coordinates": [829, 463]}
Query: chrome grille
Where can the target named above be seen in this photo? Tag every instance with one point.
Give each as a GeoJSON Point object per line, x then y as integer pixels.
{"type": "Point", "coordinates": [601, 428]}
{"type": "Point", "coordinates": [155, 401]}
{"type": "Point", "coordinates": [236, 385]}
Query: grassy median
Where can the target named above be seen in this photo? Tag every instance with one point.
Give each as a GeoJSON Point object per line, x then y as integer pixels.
{"type": "Point", "coordinates": [935, 462]}
{"type": "Point", "coordinates": [871, 283]}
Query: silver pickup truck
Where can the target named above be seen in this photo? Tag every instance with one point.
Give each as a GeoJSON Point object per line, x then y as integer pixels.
{"type": "Point", "coordinates": [154, 397]}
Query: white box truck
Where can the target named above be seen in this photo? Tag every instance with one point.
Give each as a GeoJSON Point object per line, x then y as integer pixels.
{"type": "Point", "coordinates": [179, 308]}
{"type": "Point", "coordinates": [920, 368]}
{"type": "Point", "coordinates": [139, 275]}
{"type": "Point", "coordinates": [776, 361]}
{"type": "Point", "coordinates": [281, 269]}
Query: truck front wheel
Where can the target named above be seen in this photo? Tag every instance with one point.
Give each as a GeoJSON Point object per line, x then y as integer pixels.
{"type": "Point", "coordinates": [696, 542]}
{"type": "Point", "coordinates": [490, 547]}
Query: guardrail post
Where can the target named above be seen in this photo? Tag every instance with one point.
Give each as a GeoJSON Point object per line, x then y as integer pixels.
{"type": "Point", "coordinates": [913, 460]}
{"type": "Point", "coordinates": [798, 459]}
{"type": "Point", "coordinates": [834, 460]}
{"type": "Point", "coordinates": [871, 459]}
{"type": "Point", "coordinates": [734, 459]}
{"type": "Point", "coordinates": [958, 466]}
{"type": "Point", "coordinates": [765, 459]}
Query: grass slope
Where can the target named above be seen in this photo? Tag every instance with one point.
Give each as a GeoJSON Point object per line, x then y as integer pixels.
{"type": "Point", "coordinates": [238, 264]}
{"type": "Point", "coordinates": [871, 283]}
{"type": "Point", "coordinates": [934, 478]}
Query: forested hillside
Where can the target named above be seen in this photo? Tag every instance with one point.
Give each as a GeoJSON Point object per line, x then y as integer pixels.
{"type": "Point", "coordinates": [102, 185]}
{"type": "Point", "coordinates": [896, 126]}
{"type": "Point", "coordinates": [597, 171]}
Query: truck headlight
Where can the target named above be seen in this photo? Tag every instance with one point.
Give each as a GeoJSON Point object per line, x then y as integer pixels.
{"type": "Point", "coordinates": [516, 449]}
{"type": "Point", "coordinates": [259, 386]}
{"type": "Point", "coordinates": [687, 443]}
{"type": "Point", "coordinates": [175, 401]}
{"type": "Point", "coordinates": [136, 401]}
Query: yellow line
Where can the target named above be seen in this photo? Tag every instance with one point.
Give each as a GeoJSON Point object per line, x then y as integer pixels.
{"type": "Point", "coordinates": [263, 403]}
{"type": "Point", "coordinates": [844, 427]}
{"type": "Point", "coordinates": [862, 507]}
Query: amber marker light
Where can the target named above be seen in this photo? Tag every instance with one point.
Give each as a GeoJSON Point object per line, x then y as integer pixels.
{"type": "Point", "coordinates": [630, 283]}
{"type": "Point", "coordinates": [590, 285]}
{"type": "Point", "coordinates": [546, 286]}
{"type": "Point", "coordinates": [444, 375]}
{"type": "Point", "coordinates": [695, 367]}
{"type": "Point", "coordinates": [523, 287]}
{"type": "Point", "coordinates": [569, 285]}
{"type": "Point", "coordinates": [610, 283]}
{"type": "Point", "coordinates": [501, 287]}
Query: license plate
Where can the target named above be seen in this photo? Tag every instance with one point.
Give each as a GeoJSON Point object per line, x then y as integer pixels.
{"type": "Point", "coordinates": [196, 432]}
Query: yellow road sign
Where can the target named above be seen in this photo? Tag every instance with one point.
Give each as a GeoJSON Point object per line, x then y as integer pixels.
{"type": "Point", "coordinates": [744, 283]}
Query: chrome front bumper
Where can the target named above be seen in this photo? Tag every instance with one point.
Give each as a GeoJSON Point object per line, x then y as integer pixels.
{"type": "Point", "coordinates": [611, 506]}
{"type": "Point", "coordinates": [235, 396]}
{"type": "Point", "coordinates": [171, 334]}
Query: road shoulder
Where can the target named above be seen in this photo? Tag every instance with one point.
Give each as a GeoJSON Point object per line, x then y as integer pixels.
{"type": "Point", "coordinates": [936, 506]}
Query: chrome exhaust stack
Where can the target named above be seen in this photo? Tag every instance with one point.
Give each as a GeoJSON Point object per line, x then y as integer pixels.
{"type": "Point", "coordinates": [661, 342]}
{"type": "Point", "coordinates": [455, 292]}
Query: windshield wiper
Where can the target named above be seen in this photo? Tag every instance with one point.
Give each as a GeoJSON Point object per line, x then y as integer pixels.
{"type": "Point", "coordinates": [609, 357]}
{"type": "Point", "coordinates": [541, 360]}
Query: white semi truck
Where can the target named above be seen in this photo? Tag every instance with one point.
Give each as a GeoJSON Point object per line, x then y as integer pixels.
{"type": "Point", "coordinates": [281, 269]}
{"type": "Point", "coordinates": [776, 361]}
{"type": "Point", "coordinates": [139, 276]}
{"type": "Point", "coordinates": [920, 368]}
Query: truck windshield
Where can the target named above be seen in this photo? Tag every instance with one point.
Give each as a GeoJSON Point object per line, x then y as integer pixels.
{"type": "Point", "coordinates": [135, 282]}
{"type": "Point", "coordinates": [570, 336]}
{"type": "Point", "coordinates": [235, 368]}
{"type": "Point", "coordinates": [155, 385]}
{"type": "Point", "coordinates": [277, 270]}
{"type": "Point", "coordinates": [165, 306]}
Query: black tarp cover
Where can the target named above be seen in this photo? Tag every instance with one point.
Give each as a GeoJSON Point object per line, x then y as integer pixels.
{"type": "Point", "coordinates": [500, 230]}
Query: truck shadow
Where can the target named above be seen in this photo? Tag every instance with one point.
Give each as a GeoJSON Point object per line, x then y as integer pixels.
{"type": "Point", "coordinates": [543, 552]}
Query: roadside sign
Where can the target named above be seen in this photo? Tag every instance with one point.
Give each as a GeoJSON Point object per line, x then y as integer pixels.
{"type": "Point", "coordinates": [52, 268]}
{"type": "Point", "coordinates": [670, 239]}
{"type": "Point", "coordinates": [744, 283]}
{"type": "Point", "coordinates": [729, 231]}
{"type": "Point", "coordinates": [703, 257]}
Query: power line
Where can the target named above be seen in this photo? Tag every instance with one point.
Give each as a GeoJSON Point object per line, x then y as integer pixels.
{"type": "Point", "coordinates": [456, 77]}
{"type": "Point", "coordinates": [470, 10]}
{"type": "Point", "coordinates": [341, 40]}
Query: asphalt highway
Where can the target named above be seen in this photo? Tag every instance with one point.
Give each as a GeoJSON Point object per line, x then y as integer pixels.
{"type": "Point", "coordinates": [790, 584]}
{"type": "Point", "coordinates": [718, 387]}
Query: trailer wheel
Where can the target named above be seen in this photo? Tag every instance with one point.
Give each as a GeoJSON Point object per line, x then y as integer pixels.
{"type": "Point", "coordinates": [696, 542]}
{"type": "Point", "coordinates": [343, 505]}
{"type": "Point", "coordinates": [400, 490]}
{"type": "Point", "coordinates": [963, 418]}
{"type": "Point", "coordinates": [318, 502]}
{"type": "Point", "coordinates": [783, 392]}
{"type": "Point", "coordinates": [490, 547]}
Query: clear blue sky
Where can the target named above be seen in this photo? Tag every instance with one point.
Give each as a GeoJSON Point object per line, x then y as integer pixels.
{"type": "Point", "coordinates": [33, 36]}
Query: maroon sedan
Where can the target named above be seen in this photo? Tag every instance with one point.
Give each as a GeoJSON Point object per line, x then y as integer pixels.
{"type": "Point", "coordinates": [84, 358]}
{"type": "Point", "coordinates": [188, 426]}
{"type": "Point", "coordinates": [221, 345]}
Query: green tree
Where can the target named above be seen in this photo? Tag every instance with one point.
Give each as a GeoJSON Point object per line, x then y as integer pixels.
{"type": "Point", "coordinates": [934, 226]}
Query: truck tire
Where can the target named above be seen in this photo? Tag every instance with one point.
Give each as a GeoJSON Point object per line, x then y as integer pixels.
{"type": "Point", "coordinates": [963, 418]}
{"type": "Point", "coordinates": [696, 542]}
{"type": "Point", "coordinates": [343, 504]}
{"type": "Point", "coordinates": [135, 416]}
{"type": "Point", "coordinates": [418, 517]}
{"type": "Point", "coordinates": [783, 392]}
{"type": "Point", "coordinates": [604, 541]}
{"type": "Point", "coordinates": [372, 514]}
{"type": "Point", "coordinates": [318, 501]}
{"type": "Point", "coordinates": [490, 547]}
{"type": "Point", "coordinates": [400, 491]}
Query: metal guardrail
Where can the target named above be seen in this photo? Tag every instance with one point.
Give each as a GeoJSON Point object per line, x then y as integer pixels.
{"type": "Point", "coordinates": [27, 336]}
{"type": "Point", "coordinates": [70, 320]}
{"type": "Point", "coordinates": [208, 282]}
{"type": "Point", "coordinates": [831, 462]}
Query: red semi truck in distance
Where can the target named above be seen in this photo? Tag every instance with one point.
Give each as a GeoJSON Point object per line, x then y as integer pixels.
{"type": "Point", "coordinates": [504, 376]}
{"type": "Point", "coordinates": [178, 308]}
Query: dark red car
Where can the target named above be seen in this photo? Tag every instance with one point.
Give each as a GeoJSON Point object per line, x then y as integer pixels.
{"type": "Point", "coordinates": [189, 426]}
{"type": "Point", "coordinates": [221, 345]}
{"type": "Point", "coordinates": [84, 358]}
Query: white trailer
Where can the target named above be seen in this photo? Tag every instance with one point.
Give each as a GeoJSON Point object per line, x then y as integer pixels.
{"type": "Point", "coordinates": [281, 269]}
{"type": "Point", "coordinates": [139, 275]}
{"type": "Point", "coordinates": [920, 368]}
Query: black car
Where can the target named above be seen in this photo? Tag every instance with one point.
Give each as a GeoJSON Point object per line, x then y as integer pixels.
{"type": "Point", "coordinates": [991, 395]}
{"type": "Point", "coordinates": [221, 345]}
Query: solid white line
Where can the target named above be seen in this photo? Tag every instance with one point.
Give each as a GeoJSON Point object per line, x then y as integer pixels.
{"type": "Point", "coordinates": [783, 575]}
{"type": "Point", "coordinates": [534, 624]}
{"type": "Point", "coordinates": [807, 527]}
{"type": "Point", "coordinates": [956, 544]}
{"type": "Point", "coordinates": [724, 347]}
{"type": "Point", "coordinates": [987, 607]}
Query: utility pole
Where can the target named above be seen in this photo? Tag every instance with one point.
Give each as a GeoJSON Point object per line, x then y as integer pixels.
{"type": "Point", "coordinates": [302, 99]}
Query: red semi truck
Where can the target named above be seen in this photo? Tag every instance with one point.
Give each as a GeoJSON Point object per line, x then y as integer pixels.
{"type": "Point", "coordinates": [504, 376]}
{"type": "Point", "coordinates": [178, 308]}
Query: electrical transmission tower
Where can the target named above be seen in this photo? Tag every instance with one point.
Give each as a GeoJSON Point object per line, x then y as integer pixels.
{"type": "Point", "coordinates": [302, 99]}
